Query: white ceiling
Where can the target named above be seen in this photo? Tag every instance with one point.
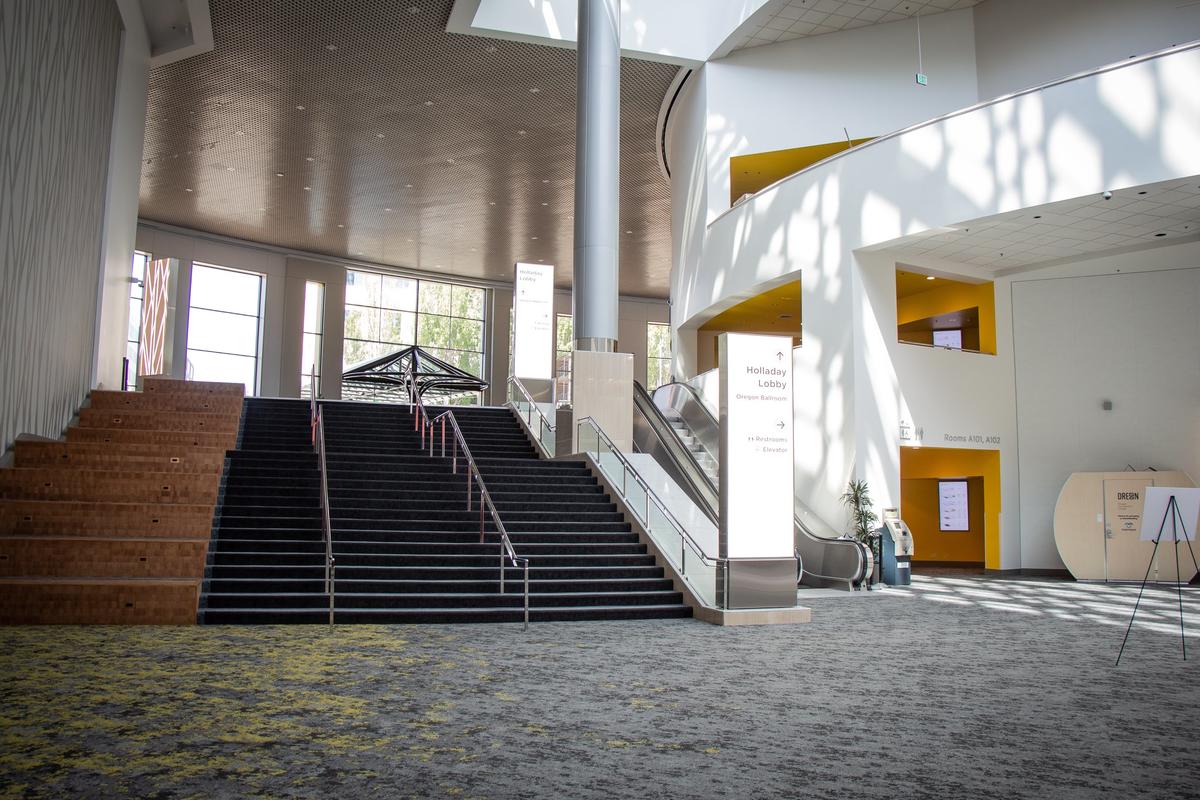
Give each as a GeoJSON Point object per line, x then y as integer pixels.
{"type": "Point", "coordinates": [784, 20]}
{"type": "Point", "coordinates": [1133, 218]}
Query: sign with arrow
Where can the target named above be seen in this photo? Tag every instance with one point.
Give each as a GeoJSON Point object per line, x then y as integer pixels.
{"type": "Point", "coordinates": [757, 462]}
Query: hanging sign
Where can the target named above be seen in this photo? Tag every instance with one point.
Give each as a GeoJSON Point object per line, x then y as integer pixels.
{"type": "Point", "coordinates": [533, 321]}
{"type": "Point", "coordinates": [757, 462]}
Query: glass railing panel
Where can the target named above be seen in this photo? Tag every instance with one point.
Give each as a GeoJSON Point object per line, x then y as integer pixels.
{"type": "Point", "coordinates": [636, 497]}
{"type": "Point", "coordinates": [701, 576]}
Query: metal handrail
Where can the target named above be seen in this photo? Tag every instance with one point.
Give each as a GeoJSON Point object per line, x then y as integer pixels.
{"type": "Point", "coordinates": [543, 420]}
{"type": "Point", "coordinates": [317, 420]}
{"type": "Point", "coordinates": [650, 493]}
{"type": "Point", "coordinates": [426, 426]}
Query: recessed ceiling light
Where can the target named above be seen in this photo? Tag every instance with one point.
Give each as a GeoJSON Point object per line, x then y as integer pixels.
{"type": "Point", "coordinates": [414, 10]}
{"type": "Point", "coordinates": [341, 225]}
{"type": "Point", "coordinates": [408, 240]}
{"type": "Point", "coordinates": [331, 47]}
{"type": "Point", "coordinates": [379, 136]}
{"type": "Point", "coordinates": [491, 202]}
{"type": "Point", "coordinates": [534, 90]}
{"type": "Point", "coordinates": [534, 238]}
{"type": "Point", "coordinates": [240, 133]}
{"type": "Point", "coordinates": [629, 231]}
{"type": "Point", "coordinates": [491, 48]}
{"type": "Point", "coordinates": [278, 174]}
{"type": "Point", "coordinates": [929, 277]}
{"type": "Point", "coordinates": [308, 188]}
{"type": "Point", "coordinates": [299, 108]}
{"type": "Point", "coordinates": [408, 186]}
{"type": "Point", "coordinates": [308, 159]}
{"type": "Point", "coordinates": [188, 189]}
{"type": "Point", "coordinates": [449, 160]}
{"type": "Point", "coordinates": [231, 169]}
{"type": "Point", "coordinates": [387, 209]}
{"type": "Point", "coordinates": [262, 209]}
{"type": "Point", "coordinates": [545, 204]}
{"type": "Point", "coordinates": [545, 180]}
{"type": "Point", "coordinates": [428, 102]}
{"type": "Point", "coordinates": [521, 133]}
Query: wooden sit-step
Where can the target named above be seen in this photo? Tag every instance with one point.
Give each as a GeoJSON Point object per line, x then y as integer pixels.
{"type": "Point", "coordinates": [113, 524]}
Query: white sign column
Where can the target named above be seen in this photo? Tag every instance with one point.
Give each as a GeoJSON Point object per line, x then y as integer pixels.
{"type": "Point", "coordinates": [757, 463]}
{"type": "Point", "coordinates": [533, 328]}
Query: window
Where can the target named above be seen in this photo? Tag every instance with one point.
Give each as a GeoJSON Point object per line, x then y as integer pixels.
{"type": "Point", "coordinates": [564, 345]}
{"type": "Point", "coordinates": [312, 336]}
{"type": "Point", "coordinates": [385, 313]}
{"type": "Point", "coordinates": [658, 355]}
{"type": "Point", "coordinates": [133, 341]}
{"type": "Point", "coordinates": [224, 322]}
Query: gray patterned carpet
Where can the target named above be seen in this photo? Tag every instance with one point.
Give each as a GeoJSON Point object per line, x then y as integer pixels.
{"type": "Point", "coordinates": [957, 688]}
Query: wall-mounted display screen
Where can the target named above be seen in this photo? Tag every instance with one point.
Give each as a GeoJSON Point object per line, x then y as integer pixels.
{"type": "Point", "coordinates": [952, 506]}
{"type": "Point", "coordinates": [951, 338]}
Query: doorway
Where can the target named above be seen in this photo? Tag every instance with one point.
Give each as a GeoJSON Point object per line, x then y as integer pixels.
{"type": "Point", "coordinates": [950, 498]}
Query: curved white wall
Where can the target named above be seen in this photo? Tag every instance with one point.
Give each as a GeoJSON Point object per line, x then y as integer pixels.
{"type": "Point", "coordinates": [1135, 123]}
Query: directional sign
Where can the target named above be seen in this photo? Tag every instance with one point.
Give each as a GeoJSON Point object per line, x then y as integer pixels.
{"type": "Point", "coordinates": [533, 314]}
{"type": "Point", "coordinates": [757, 495]}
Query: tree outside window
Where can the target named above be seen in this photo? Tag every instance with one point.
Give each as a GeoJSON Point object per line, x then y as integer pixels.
{"type": "Point", "coordinates": [658, 355]}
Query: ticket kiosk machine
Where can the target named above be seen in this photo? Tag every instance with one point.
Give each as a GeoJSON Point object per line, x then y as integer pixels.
{"type": "Point", "coordinates": [896, 545]}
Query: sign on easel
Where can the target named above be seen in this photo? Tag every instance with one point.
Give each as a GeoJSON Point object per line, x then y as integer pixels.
{"type": "Point", "coordinates": [1156, 522]}
{"type": "Point", "coordinates": [533, 321]}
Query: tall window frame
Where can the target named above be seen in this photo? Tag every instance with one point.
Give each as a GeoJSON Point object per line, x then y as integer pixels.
{"type": "Point", "coordinates": [658, 355]}
{"type": "Point", "coordinates": [385, 312]}
{"type": "Point", "coordinates": [564, 350]}
{"type": "Point", "coordinates": [133, 336]}
{"type": "Point", "coordinates": [312, 336]}
{"type": "Point", "coordinates": [225, 313]}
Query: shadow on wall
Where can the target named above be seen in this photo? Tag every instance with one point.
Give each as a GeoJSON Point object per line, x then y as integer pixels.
{"type": "Point", "coordinates": [1132, 124]}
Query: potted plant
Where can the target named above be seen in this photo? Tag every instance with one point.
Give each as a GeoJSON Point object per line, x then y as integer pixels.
{"type": "Point", "coordinates": [857, 498]}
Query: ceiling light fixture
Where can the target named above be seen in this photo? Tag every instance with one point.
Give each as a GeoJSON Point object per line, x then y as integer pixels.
{"type": "Point", "coordinates": [308, 159]}
{"type": "Point", "coordinates": [231, 169]}
{"type": "Point", "coordinates": [240, 133]}
{"type": "Point", "coordinates": [340, 225]}
{"type": "Point", "coordinates": [408, 186]}
{"type": "Point", "coordinates": [929, 277]}
{"type": "Point", "coordinates": [428, 102]}
{"type": "Point", "coordinates": [379, 136]}
{"type": "Point", "coordinates": [331, 47]}
{"type": "Point", "coordinates": [534, 90]}
{"type": "Point", "coordinates": [534, 238]}
{"type": "Point", "coordinates": [299, 108]}
{"type": "Point", "coordinates": [308, 188]}
{"type": "Point", "coordinates": [278, 174]}
{"type": "Point", "coordinates": [188, 189]}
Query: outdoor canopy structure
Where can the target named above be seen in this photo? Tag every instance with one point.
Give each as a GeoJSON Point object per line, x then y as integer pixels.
{"type": "Point", "coordinates": [385, 378]}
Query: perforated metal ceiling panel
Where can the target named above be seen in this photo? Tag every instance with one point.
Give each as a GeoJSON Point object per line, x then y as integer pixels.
{"type": "Point", "coordinates": [363, 130]}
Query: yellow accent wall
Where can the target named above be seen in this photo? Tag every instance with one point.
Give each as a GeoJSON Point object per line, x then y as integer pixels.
{"type": "Point", "coordinates": [750, 173]}
{"type": "Point", "coordinates": [919, 501]}
{"type": "Point", "coordinates": [924, 465]}
{"type": "Point", "coordinates": [948, 296]}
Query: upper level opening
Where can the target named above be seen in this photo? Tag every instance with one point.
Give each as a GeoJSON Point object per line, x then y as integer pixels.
{"type": "Point", "coordinates": [942, 312]}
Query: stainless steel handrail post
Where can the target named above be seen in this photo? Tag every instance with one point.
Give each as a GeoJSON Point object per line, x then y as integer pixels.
{"type": "Point", "coordinates": [473, 473]}
{"type": "Point", "coordinates": [318, 435]}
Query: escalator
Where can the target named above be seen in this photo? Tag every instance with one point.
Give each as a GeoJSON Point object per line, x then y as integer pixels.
{"type": "Point", "coordinates": [680, 432]}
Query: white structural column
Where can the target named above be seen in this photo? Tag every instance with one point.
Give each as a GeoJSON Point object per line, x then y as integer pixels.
{"type": "Point", "coordinates": [597, 173]}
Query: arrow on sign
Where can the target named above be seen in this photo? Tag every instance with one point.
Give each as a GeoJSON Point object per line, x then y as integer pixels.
{"type": "Point", "coordinates": [779, 356]}
{"type": "Point", "coordinates": [779, 424]}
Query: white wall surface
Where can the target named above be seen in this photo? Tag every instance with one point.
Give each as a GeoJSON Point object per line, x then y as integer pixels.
{"type": "Point", "coordinates": [121, 197]}
{"type": "Point", "coordinates": [1070, 140]}
{"type": "Point", "coordinates": [804, 92]}
{"type": "Point", "coordinates": [1024, 43]}
{"type": "Point", "coordinates": [1122, 328]}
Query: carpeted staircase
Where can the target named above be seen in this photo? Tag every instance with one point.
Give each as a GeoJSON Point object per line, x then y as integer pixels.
{"type": "Point", "coordinates": [407, 548]}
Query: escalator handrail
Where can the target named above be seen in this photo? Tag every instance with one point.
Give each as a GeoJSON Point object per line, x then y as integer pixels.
{"type": "Point", "coordinates": [688, 468]}
{"type": "Point", "coordinates": [799, 522]}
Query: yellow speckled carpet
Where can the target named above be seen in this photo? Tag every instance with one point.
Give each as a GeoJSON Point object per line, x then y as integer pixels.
{"type": "Point", "coordinates": [957, 688]}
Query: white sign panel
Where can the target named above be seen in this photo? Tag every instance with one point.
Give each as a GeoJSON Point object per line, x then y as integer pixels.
{"type": "Point", "coordinates": [757, 492]}
{"type": "Point", "coordinates": [1156, 518]}
{"type": "Point", "coordinates": [533, 321]}
{"type": "Point", "coordinates": [948, 339]}
{"type": "Point", "coordinates": [952, 506]}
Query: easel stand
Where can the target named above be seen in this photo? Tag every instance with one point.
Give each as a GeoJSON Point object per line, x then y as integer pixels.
{"type": "Point", "coordinates": [1178, 529]}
